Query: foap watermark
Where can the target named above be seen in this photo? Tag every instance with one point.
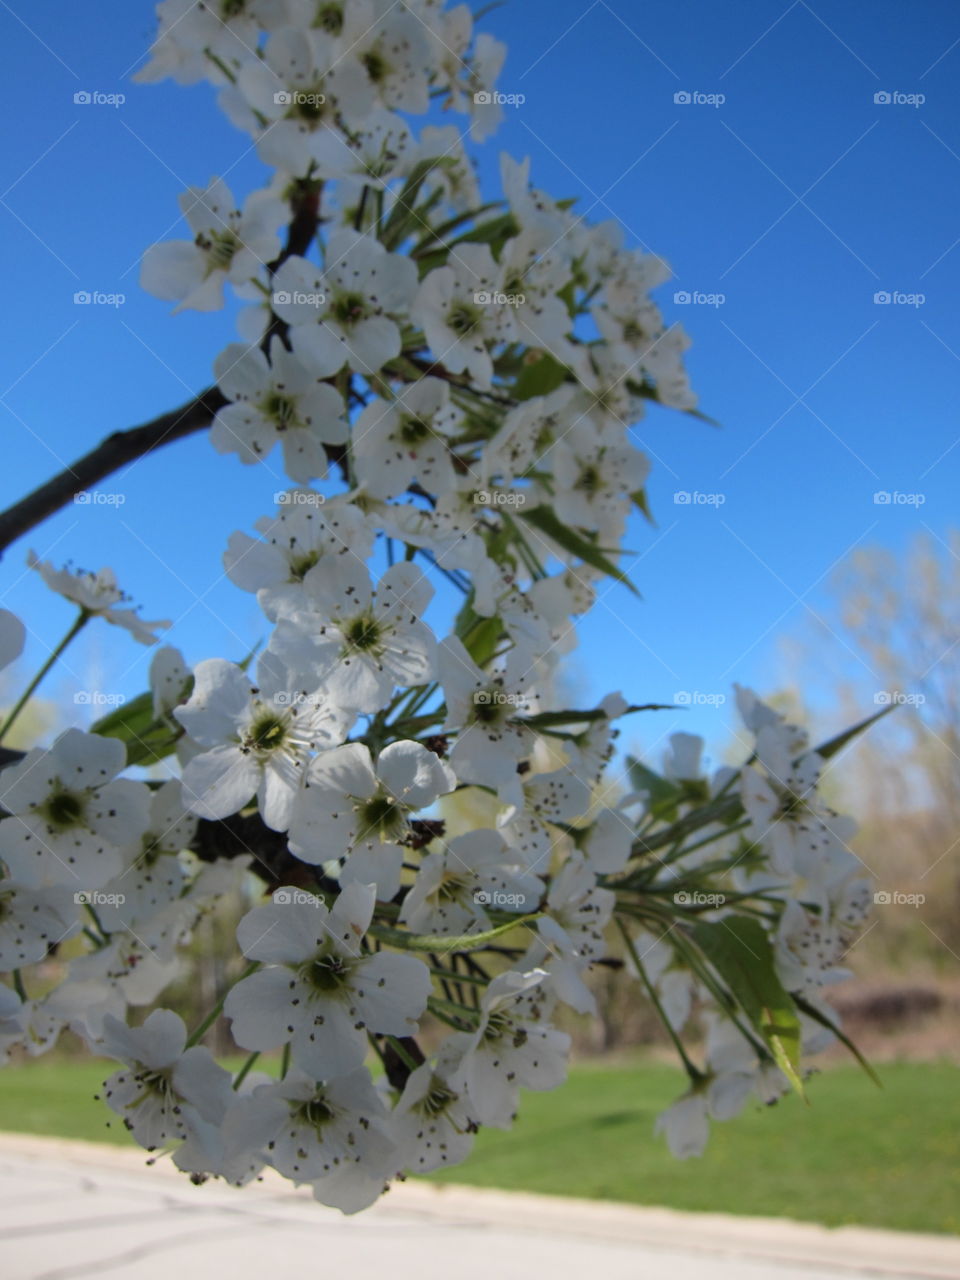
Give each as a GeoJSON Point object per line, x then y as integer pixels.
{"type": "Point", "coordinates": [694, 98]}
{"type": "Point", "coordinates": [695, 298]}
{"type": "Point", "coordinates": [94, 698]}
{"type": "Point", "coordinates": [894, 98]}
{"type": "Point", "coordinates": [694, 898]}
{"type": "Point", "coordinates": [97, 298]}
{"type": "Point", "coordinates": [686, 498]}
{"type": "Point", "coordinates": [296, 98]}
{"type": "Point", "coordinates": [485, 298]}
{"type": "Point", "coordinates": [294, 698]}
{"type": "Point", "coordinates": [694, 698]}
{"type": "Point", "coordinates": [897, 298]}
{"type": "Point", "coordinates": [497, 698]}
{"type": "Point", "coordinates": [494, 98]}
{"type": "Point", "coordinates": [496, 898]}
{"type": "Point", "coordinates": [894, 698]}
{"type": "Point", "coordinates": [499, 498]}
{"type": "Point", "coordinates": [298, 897]}
{"type": "Point", "coordinates": [298, 298]}
{"type": "Point", "coordinates": [298, 498]}
{"type": "Point", "coordinates": [894, 898]}
{"type": "Point", "coordinates": [94, 98]}
{"type": "Point", "coordinates": [97, 898]}
{"type": "Point", "coordinates": [94, 498]}
{"type": "Point", "coordinates": [894, 498]}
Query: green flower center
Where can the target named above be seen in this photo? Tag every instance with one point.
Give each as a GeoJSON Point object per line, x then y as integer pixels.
{"type": "Point", "coordinates": [383, 815]}
{"type": "Point", "coordinates": [363, 633]}
{"type": "Point", "coordinates": [232, 9]}
{"type": "Point", "coordinates": [64, 810]}
{"type": "Point", "coordinates": [266, 733]}
{"type": "Point", "coordinates": [329, 17]}
{"type": "Point", "coordinates": [220, 247]}
{"type": "Point", "coordinates": [375, 65]}
{"type": "Point", "coordinates": [301, 565]}
{"type": "Point", "coordinates": [498, 1025]}
{"type": "Point", "coordinates": [309, 105]}
{"type": "Point", "coordinates": [491, 711]}
{"type": "Point", "coordinates": [315, 1113]}
{"type": "Point", "coordinates": [588, 480]}
{"type": "Point", "coordinates": [327, 973]}
{"type": "Point", "coordinates": [281, 410]}
{"type": "Point", "coordinates": [350, 308]}
{"type": "Point", "coordinates": [436, 1101]}
{"type": "Point", "coordinates": [451, 887]}
{"type": "Point", "coordinates": [462, 318]}
{"type": "Point", "coordinates": [413, 430]}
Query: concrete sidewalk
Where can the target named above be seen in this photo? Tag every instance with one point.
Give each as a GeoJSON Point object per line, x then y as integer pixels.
{"type": "Point", "coordinates": [72, 1209]}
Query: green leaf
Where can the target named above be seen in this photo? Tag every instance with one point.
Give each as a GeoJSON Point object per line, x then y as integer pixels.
{"type": "Point", "coordinates": [479, 635]}
{"type": "Point", "coordinates": [664, 794]}
{"type": "Point", "coordinates": [834, 745]}
{"type": "Point", "coordinates": [813, 1012]}
{"type": "Point", "coordinates": [443, 942]}
{"type": "Point", "coordinates": [740, 950]}
{"type": "Point", "coordinates": [545, 719]}
{"type": "Point", "coordinates": [539, 378]}
{"type": "Point", "coordinates": [146, 737]}
{"type": "Point", "coordinates": [545, 519]}
{"type": "Point", "coordinates": [639, 500]}
{"type": "Point", "coordinates": [404, 216]}
{"type": "Point", "coordinates": [436, 235]}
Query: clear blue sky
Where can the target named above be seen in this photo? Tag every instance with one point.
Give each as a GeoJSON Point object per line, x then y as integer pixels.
{"type": "Point", "coordinates": [798, 199]}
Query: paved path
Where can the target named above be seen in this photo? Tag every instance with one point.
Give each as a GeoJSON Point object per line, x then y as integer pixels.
{"type": "Point", "coordinates": [71, 1210]}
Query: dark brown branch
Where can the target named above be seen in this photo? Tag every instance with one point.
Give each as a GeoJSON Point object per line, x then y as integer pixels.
{"type": "Point", "coordinates": [114, 452]}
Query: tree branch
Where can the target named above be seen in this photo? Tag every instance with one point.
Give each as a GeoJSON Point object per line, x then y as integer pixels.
{"type": "Point", "coordinates": [111, 454]}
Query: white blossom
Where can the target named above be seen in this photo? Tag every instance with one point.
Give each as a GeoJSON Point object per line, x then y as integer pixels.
{"type": "Point", "coordinates": [321, 992]}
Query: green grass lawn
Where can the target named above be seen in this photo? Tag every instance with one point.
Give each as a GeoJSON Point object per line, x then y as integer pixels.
{"type": "Point", "coordinates": [885, 1158]}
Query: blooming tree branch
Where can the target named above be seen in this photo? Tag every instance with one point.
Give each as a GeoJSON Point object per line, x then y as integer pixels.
{"type": "Point", "coordinates": [455, 387]}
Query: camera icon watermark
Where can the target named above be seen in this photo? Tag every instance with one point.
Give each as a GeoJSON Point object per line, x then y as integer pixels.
{"type": "Point", "coordinates": [894, 898]}
{"type": "Point", "coordinates": [297, 897]}
{"type": "Point", "coordinates": [97, 898]}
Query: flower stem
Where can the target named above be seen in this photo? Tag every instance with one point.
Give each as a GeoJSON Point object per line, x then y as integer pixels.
{"type": "Point", "coordinates": [242, 1073]}
{"type": "Point", "coordinates": [217, 1009]}
{"type": "Point", "coordinates": [692, 1071]}
{"type": "Point", "coordinates": [82, 619]}
{"type": "Point", "coordinates": [401, 1053]}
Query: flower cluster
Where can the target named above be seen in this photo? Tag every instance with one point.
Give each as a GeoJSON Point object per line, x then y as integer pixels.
{"type": "Point", "coordinates": [455, 395]}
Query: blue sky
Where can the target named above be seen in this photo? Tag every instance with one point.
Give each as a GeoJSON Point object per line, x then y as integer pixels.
{"type": "Point", "coordinates": [798, 198]}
